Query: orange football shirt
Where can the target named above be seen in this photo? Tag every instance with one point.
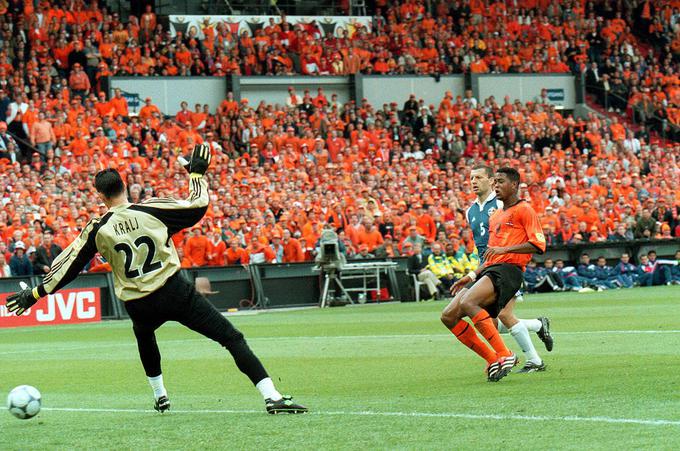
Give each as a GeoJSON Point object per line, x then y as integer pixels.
{"type": "Point", "coordinates": [515, 225]}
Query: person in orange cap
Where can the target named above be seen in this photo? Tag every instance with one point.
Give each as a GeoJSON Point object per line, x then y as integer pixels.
{"type": "Point", "coordinates": [363, 253]}
{"type": "Point", "coordinates": [277, 247]}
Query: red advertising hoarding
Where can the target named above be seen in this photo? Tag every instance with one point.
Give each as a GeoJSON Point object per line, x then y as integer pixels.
{"type": "Point", "coordinates": [82, 305]}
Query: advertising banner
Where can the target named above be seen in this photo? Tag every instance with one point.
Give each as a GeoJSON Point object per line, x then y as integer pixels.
{"type": "Point", "coordinates": [81, 305]}
{"type": "Point", "coordinates": [329, 25]}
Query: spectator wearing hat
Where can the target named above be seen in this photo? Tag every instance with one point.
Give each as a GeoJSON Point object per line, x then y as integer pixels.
{"type": "Point", "coordinates": [148, 110]}
{"type": "Point", "coordinates": [45, 254]}
{"type": "Point", "coordinates": [414, 237]}
{"type": "Point", "coordinates": [197, 247]}
{"type": "Point", "coordinates": [19, 264]}
{"type": "Point", "coordinates": [277, 247]}
{"type": "Point", "coordinates": [79, 82]}
{"type": "Point", "coordinates": [119, 104]}
{"type": "Point", "coordinates": [363, 253]}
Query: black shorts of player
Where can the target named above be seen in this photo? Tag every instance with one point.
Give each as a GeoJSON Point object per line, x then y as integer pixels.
{"type": "Point", "coordinates": [507, 280]}
{"type": "Point", "coordinates": [179, 301]}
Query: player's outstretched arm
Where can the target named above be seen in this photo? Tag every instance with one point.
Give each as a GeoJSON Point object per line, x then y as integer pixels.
{"type": "Point", "coordinates": [180, 214]}
{"type": "Point", "coordinates": [65, 268]}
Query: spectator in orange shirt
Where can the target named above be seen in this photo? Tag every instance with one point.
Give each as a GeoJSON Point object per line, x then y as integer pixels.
{"type": "Point", "coordinates": [79, 82]}
{"type": "Point", "coordinates": [148, 110]}
{"type": "Point", "coordinates": [185, 262]}
{"type": "Point", "coordinates": [425, 223]}
{"type": "Point", "coordinates": [292, 250]}
{"type": "Point", "coordinates": [119, 104]}
{"type": "Point", "coordinates": [197, 247]}
{"type": "Point", "coordinates": [370, 235]}
{"type": "Point", "coordinates": [236, 255]}
{"type": "Point", "coordinates": [217, 252]}
{"type": "Point", "coordinates": [42, 135]}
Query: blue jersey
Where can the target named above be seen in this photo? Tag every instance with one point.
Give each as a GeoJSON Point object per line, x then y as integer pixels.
{"type": "Point", "coordinates": [478, 219]}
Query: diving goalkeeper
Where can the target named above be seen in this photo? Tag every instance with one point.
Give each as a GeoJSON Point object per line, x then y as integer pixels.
{"type": "Point", "coordinates": [135, 240]}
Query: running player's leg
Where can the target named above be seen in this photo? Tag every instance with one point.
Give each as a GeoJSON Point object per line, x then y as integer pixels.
{"type": "Point", "coordinates": [519, 332]}
{"type": "Point", "coordinates": [540, 326]}
{"type": "Point", "coordinates": [474, 304]}
{"type": "Point", "coordinates": [452, 317]}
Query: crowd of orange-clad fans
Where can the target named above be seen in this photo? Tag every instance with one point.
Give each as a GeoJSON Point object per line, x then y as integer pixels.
{"type": "Point", "coordinates": [384, 176]}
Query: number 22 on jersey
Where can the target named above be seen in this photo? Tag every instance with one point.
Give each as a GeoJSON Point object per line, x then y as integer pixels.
{"type": "Point", "coordinates": [130, 256]}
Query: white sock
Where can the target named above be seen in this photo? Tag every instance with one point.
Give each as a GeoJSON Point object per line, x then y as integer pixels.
{"type": "Point", "coordinates": [532, 325]}
{"type": "Point", "coordinates": [521, 335]}
{"type": "Point", "coordinates": [266, 387]}
{"type": "Point", "coordinates": [502, 329]}
{"type": "Point", "coordinates": [157, 386]}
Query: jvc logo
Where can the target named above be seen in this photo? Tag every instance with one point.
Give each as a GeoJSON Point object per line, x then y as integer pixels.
{"type": "Point", "coordinates": [82, 302]}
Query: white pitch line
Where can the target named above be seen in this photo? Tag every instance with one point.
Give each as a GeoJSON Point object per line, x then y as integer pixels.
{"type": "Point", "coordinates": [322, 337]}
{"type": "Point", "coordinates": [467, 416]}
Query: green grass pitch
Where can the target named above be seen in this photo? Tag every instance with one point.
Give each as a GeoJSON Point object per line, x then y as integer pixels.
{"type": "Point", "coordinates": [374, 377]}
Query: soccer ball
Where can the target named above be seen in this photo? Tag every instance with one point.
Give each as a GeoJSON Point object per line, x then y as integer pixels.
{"type": "Point", "coordinates": [24, 402]}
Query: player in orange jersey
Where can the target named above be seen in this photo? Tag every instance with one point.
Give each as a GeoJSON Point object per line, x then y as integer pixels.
{"type": "Point", "coordinates": [514, 234]}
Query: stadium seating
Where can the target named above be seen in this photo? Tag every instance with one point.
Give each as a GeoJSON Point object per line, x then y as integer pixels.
{"type": "Point", "coordinates": [281, 172]}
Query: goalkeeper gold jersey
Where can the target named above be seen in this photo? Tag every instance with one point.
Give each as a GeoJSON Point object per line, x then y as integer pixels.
{"type": "Point", "coordinates": [136, 241]}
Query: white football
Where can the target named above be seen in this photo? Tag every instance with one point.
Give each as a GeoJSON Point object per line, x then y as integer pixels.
{"type": "Point", "coordinates": [24, 402]}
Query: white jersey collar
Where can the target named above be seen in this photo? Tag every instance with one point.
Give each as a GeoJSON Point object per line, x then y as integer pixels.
{"type": "Point", "coordinates": [489, 198]}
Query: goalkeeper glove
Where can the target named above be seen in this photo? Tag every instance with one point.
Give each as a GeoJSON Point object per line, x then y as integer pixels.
{"type": "Point", "coordinates": [21, 301]}
{"type": "Point", "coordinates": [200, 159]}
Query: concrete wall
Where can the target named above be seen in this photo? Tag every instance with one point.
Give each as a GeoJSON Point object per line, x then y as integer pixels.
{"type": "Point", "coordinates": [168, 92]}
{"type": "Point", "coordinates": [275, 89]}
{"type": "Point", "coordinates": [380, 89]}
{"type": "Point", "coordinates": [526, 87]}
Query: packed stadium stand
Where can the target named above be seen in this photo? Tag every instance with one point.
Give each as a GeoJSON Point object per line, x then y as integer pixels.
{"type": "Point", "coordinates": [384, 176]}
